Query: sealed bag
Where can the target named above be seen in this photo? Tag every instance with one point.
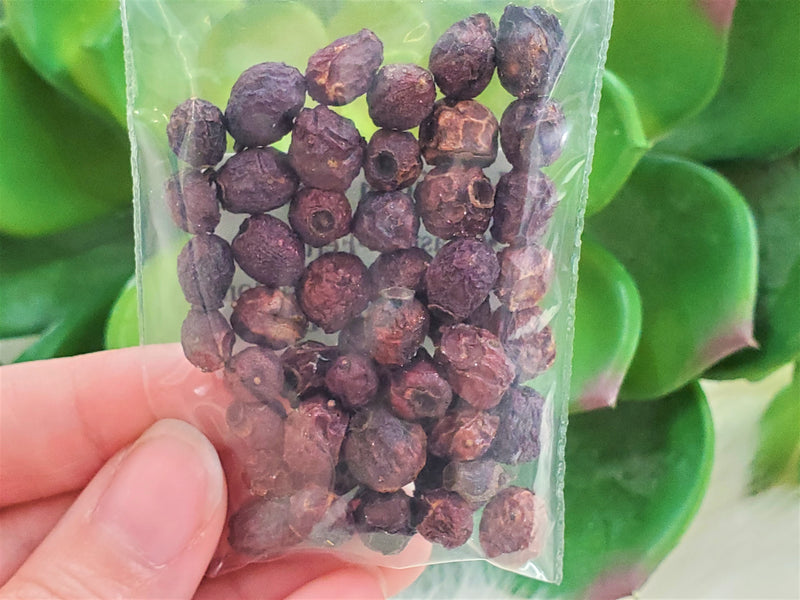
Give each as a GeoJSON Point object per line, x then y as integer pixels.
{"type": "Point", "coordinates": [362, 220]}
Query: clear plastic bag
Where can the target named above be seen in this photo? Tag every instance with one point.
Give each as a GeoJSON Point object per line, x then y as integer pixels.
{"type": "Point", "coordinates": [374, 390]}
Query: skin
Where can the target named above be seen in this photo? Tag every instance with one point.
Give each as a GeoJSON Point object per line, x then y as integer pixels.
{"type": "Point", "coordinates": [104, 493]}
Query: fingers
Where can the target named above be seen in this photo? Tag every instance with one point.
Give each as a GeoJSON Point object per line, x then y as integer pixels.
{"type": "Point", "coordinates": [145, 526]}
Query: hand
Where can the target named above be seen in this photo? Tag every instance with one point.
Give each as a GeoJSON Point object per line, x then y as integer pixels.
{"type": "Point", "coordinates": [99, 498]}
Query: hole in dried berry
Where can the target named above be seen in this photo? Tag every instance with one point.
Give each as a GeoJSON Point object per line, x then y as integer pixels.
{"type": "Point", "coordinates": [322, 221]}
{"type": "Point", "coordinates": [481, 194]}
{"type": "Point", "coordinates": [385, 164]}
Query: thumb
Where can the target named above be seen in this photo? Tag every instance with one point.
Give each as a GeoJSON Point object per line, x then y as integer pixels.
{"type": "Point", "coordinates": [145, 526]}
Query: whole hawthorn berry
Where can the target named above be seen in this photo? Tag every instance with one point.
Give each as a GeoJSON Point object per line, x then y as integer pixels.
{"type": "Point", "coordinates": [462, 132]}
{"type": "Point", "coordinates": [256, 180]}
{"type": "Point", "coordinates": [524, 202]}
{"type": "Point", "coordinates": [342, 71]}
{"type": "Point", "coordinates": [532, 133]}
{"type": "Point", "coordinates": [389, 512]}
{"type": "Point", "coordinates": [205, 271]}
{"type": "Point", "coordinates": [476, 481]}
{"type": "Point", "coordinates": [510, 523]}
{"type": "Point", "coordinates": [255, 375]}
{"type": "Point", "coordinates": [395, 325]}
{"type": "Point", "coordinates": [353, 380]}
{"type": "Point", "coordinates": [464, 433]}
{"type": "Point", "coordinates": [386, 221]}
{"type": "Point", "coordinates": [462, 59]}
{"type": "Point", "coordinates": [320, 216]}
{"type": "Point", "coordinates": [326, 149]}
{"type": "Point", "coordinates": [401, 96]}
{"type": "Point", "coordinates": [525, 274]}
{"type": "Point", "coordinates": [306, 364]}
{"type": "Point", "coordinates": [207, 339]}
{"type": "Point", "coordinates": [392, 160]}
{"type": "Point", "coordinates": [333, 289]}
{"type": "Point", "coordinates": [191, 197]}
{"type": "Point", "coordinates": [401, 268]}
{"type": "Point", "coordinates": [530, 51]}
{"type": "Point", "coordinates": [419, 391]}
{"type": "Point", "coordinates": [268, 317]}
{"type": "Point", "coordinates": [527, 339]}
{"type": "Point", "coordinates": [196, 133]}
{"type": "Point", "coordinates": [518, 436]}
{"type": "Point", "coordinates": [269, 251]}
{"type": "Point", "coordinates": [264, 102]}
{"type": "Point", "coordinates": [444, 518]}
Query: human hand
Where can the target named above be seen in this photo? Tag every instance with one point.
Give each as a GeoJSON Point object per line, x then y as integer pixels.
{"type": "Point", "coordinates": [99, 498]}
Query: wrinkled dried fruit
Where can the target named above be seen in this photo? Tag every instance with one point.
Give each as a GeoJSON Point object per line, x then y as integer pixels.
{"type": "Point", "coordinates": [518, 437]}
{"type": "Point", "coordinates": [268, 317]}
{"type": "Point", "coordinates": [464, 433]}
{"type": "Point", "coordinates": [462, 60]}
{"type": "Point", "coordinates": [196, 133]}
{"type": "Point", "coordinates": [320, 217]}
{"type": "Point", "coordinates": [389, 512]}
{"type": "Point", "coordinates": [386, 221]}
{"type": "Point", "coordinates": [525, 275]}
{"type": "Point", "coordinates": [353, 380]}
{"type": "Point", "coordinates": [395, 326]}
{"type": "Point", "coordinates": [523, 205]}
{"type": "Point", "coordinates": [269, 251]}
{"type": "Point", "coordinates": [527, 339]}
{"type": "Point", "coordinates": [255, 374]}
{"type": "Point", "coordinates": [205, 271]}
{"type": "Point", "coordinates": [462, 132]}
{"type": "Point", "coordinates": [392, 160]}
{"type": "Point", "coordinates": [445, 518]}
{"type": "Point", "coordinates": [510, 522]}
{"type": "Point", "coordinates": [419, 391]}
{"type": "Point", "coordinates": [259, 425]}
{"type": "Point", "coordinates": [306, 364]}
{"type": "Point", "coordinates": [256, 180]}
{"type": "Point", "coordinates": [207, 339]}
{"type": "Point", "coordinates": [476, 481]}
{"type": "Point", "coordinates": [191, 197]}
{"type": "Point", "coordinates": [401, 96]}
{"type": "Point", "coordinates": [532, 133]}
{"type": "Point", "coordinates": [401, 268]}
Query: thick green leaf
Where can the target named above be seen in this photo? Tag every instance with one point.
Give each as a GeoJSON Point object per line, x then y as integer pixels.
{"type": "Point", "coordinates": [671, 55]}
{"type": "Point", "coordinates": [688, 239]}
{"type": "Point", "coordinates": [773, 192]}
{"type": "Point", "coordinates": [756, 111]}
{"type": "Point", "coordinates": [608, 321]}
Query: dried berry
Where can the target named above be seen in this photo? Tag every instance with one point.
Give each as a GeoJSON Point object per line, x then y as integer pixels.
{"type": "Point", "coordinates": [463, 434]}
{"type": "Point", "coordinates": [207, 339]}
{"type": "Point", "coordinates": [351, 337]}
{"type": "Point", "coordinates": [445, 518]}
{"type": "Point", "coordinates": [320, 217]}
{"type": "Point", "coordinates": [255, 374]}
{"type": "Point", "coordinates": [390, 512]}
{"type": "Point", "coordinates": [530, 51]}
{"type": "Point", "coordinates": [205, 271]}
{"type": "Point", "coordinates": [475, 364]}
{"type": "Point", "coordinates": [326, 149]}
{"type": "Point", "coordinates": [256, 180]}
{"type": "Point", "coordinates": [520, 414]}
{"type": "Point", "coordinates": [460, 277]}
{"type": "Point", "coordinates": [524, 202]}
{"type": "Point", "coordinates": [306, 364]}
{"type": "Point", "coordinates": [401, 96]}
{"type": "Point", "coordinates": [392, 160]}
{"type": "Point", "coordinates": [401, 268]}
{"type": "Point", "coordinates": [386, 221]}
{"type": "Point", "coordinates": [269, 251]}
{"type": "Point", "coordinates": [382, 451]}
{"type": "Point", "coordinates": [264, 102]}
{"type": "Point", "coordinates": [191, 197]}
{"type": "Point", "coordinates": [352, 378]}
{"type": "Point", "coordinates": [395, 326]}
{"type": "Point", "coordinates": [476, 481]}
{"type": "Point", "coordinates": [342, 71]}
{"type": "Point", "coordinates": [196, 133]}
{"type": "Point", "coordinates": [455, 201]}
{"type": "Point", "coordinates": [525, 275]}
{"type": "Point", "coordinates": [527, 339]}
{"type": "Point", "coordinates": [334, 288]}
{"type": "Point", "coordinates": [532, 133]}
{"type": "Point", "coordinates": [459, 132]}
{"type": "Point", "coordinates": [257, 424]}
{"type": "Point", "coordinates": [462, 60]}
{"type": "Point", "coordinates": [510, 522]}
{"type": "Point", "coordinates": [268, 317]}
{"type": "Point", "coordinates": [419, 391]}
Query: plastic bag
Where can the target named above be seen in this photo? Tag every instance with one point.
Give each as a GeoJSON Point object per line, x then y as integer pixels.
{"type": "Point", "coordinates": [389, 351]}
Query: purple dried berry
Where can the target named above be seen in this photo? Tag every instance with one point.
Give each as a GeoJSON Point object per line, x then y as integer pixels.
{"type": "Point", "coordinates": [401, 96]}
{"type": "Point", "coordinates": [525, 274]}
{"type": "Point", "coordinates": [207, 339]}
{"type": "Point", "coordinates": [306, 364]}
{"type": "Point", "coordinates": [386, 221]}
{"type": "Point", "coordinates": [392, 160]}
{"type": "Point", "coordinates": [401, 268]}
{"type": "Point", "coordinates": [191, 197]}
{"type": "Point", "coordinates": [196, 133]}
{"type": "Point", "coordinates": [419, 391]}
{"type": "Point", "coordinates": [463, 434]}
{"type": "Point", "coordinates": [205, 271]}
{"type": "Point", "coordinates": [532, 133]}
{"type": "Point", "coordinates": [259, 425]}
{"type": "Point", "coordinates": [462, 60]}
{"type": "Point", "coordinates": [268, 317]}
{"type": "Point", "coordinates": [527, 339]}
{"type": "Point", "coordinates": [320, 217]}
{"type": "Point", "coordinates": [476, 481]}
{"type": "Point", "coordinates": [390, 512]}
{"type": "Point", "coordinates": [518, 437]}
{"type": "Point", "coordinates": [510, 522]}
{"type": "Point", "coordinates": [445, 518]}
{"type": "Point", "coordinates": [353, 380]}
{"type": "Point", "coordinates": [462, 132]}
{"type": "Point", "coordinates": [256, 180]}
{"type": "Point", "coordinates": [524, 202]}
{"type": "Point", "coordinates": [255, 375]}
{"type": "Point", "coordinates": [269, 251]}
{"type": "Point", "coordinates": [395, 326]}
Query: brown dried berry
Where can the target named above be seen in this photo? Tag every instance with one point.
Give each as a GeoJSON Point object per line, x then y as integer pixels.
{"type": "Point", "coordinates": [205, 271]}
{"type": "Point", "coordinates": [207, 339]}
{"type": "Point", "coordinates": [510, 522]}
{"type": "Point", "coordinates": [342, 71]}
{"type": "Point", "coordinates": [401, 96]}
{"type": "Point", "coordinates": [532, 133]}
{"type": "Point", "coordinates": [256, 180]}
{"type": "Point", "coordinates": [196, 133]}
{"type": "Point", "coordinates": [353, 380]}
{"type": "Point", "coordinates": [419, 391]}
{"type": "Point", "coordinates": [334, 288]}
{"type": "Point", "coordinates": [527, 339]}
{"type": "Point", "coordinates": [264, 102]}
{"type": "Point", "coordinates": [476, 365]}
{"type": "Point", "coordinates": [530, 51]}
{"type": "Point", "coordinates": [259, 425]}
{"type": "Point", "coordinates": [518, 437]}
{"type": "Point", "coordinates": [455, 201]}
{"type": "Point", "coordinates": [401, 268]}
{"type": "Point", "coordinates": [306, 364]}
{"type": "Point", "coordinates": [459, 132]}
{"type": "Point", "coordinates": [524, 202]}
{"type": "Point", "coordinates": [525, 274]}
{"type": "Point", "coordinates": [395, 326]}
{"type": "Point", "coordinates": [462, 60]}
{"type": "Point", "coordinates": [269, 251]}
{"type": "Point", "coordinates": [320, 217]}
{"type": "Point", "coordinates": [326, 149]}
{"type": "Point", "coordinates": [445, 518]}
{"type": "Point", "coordinates": [390, 512]}
{"type": "Point", "coordinates": [476, 481]}
{"type": "Point", "coordinates": [383, 452]}
{"type": "Point", "coordinates": [463, 434]}
{"type": "Point", "coordinates": [255, 375]}
{"type": "Point", "coordinates": [191, 197]}
{"type": "Point", "coordinates": [392, 160]}
{"type": "Point", "coordinates": [386, 221]}
{"type": "Point", "coordinates": [268, 317]}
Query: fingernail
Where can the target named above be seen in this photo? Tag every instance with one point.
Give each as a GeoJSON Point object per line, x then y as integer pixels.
{"type": "Point", "coordinates": [163, 492]}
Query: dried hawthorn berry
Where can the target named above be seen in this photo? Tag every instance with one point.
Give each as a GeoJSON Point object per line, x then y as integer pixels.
{"type": "Point", "coordinates": [384, 452]}
{"type": "Point", "coordinates": [524, 202]}
{"type": "Point", "coordinates": [401, 268]}
{"type": "Point", "coordinates": [353, 380]}
{"type": "Point", "coordinates": [386, 221]}
{"type": "Point", "coordinates": [392, 160]}
{"type": "Point", "coordinates": [205, 271]}
{"type": "Point", "coordinates": [532, 133]}
{"type": "Point", "coordinates": [460, 277]}
{"type": "Point", "coordinates": [306, 364]}
{"type": "Point", "coordinates": [207, 339]}
{"type": "Point", "coordinates": [342, 71]}
{"type": "Point", "coordinates": [525, 274]}
{"type": "Point", "coordinates": [351, 337]}
{"type": "Point", "coordinates": [459, 132]}
{"type": "Point", "coordinates": [256, 180]}
{"type": "Point", "coordinates": [264, 102]}
{"type": "Point", "coordinates": [455, 201]}
{"type": "Point", "coordinates": [320, 216]}
{"type": "Point", "coordinates": [520, 414]}
{"type": "Point", "coordinates": [464, 433]}
{"type": "Point", "coordinates": [255, 374]}
{"type": "Point", "coordinates": [268, 317]}
{"type": "Point", "coordinates": [530, 51]}
{"type": "Point", "coordinates": [510, 522]}
{"type": "Point", "coordinates": [476, 481]}
{"type": "Point", "coordinates": [269, 251]}
{"type": "Point", "coordinates": [191, 197]}
{"type": "Point", "coordinates": [258, 424]}
{"type": "Point", "coordinates": [444, 518]}
{"type": "Point", "coordinates": [334, 288]}
{"type": "Point", "coordinates": [401, 96]}
{"type": "Point", "coordinates": [196, 133]}
{"type": "Point", "coordinates": [419, 391]}
{"type": "Point", "coordinates": [326, 149]}
{"type": "Point", "coordinates": [476, 365]}
{"type": "Point", "coordinates": [395, 326]}
{"type": "Point", "coordinates": [527, 339]}
{"type": "Point", "coordinates": [389, 512]}
{"type": "Point", "coordinates": [462, 60]}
